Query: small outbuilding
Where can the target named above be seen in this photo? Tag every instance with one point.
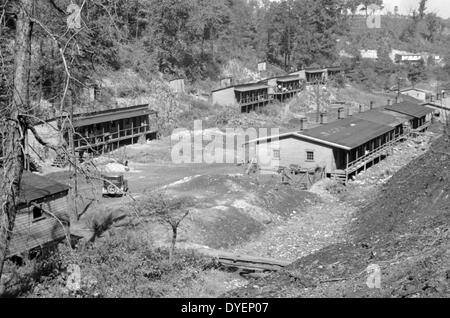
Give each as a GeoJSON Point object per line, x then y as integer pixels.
{"type": "Point", "coordinates": [42, 218]}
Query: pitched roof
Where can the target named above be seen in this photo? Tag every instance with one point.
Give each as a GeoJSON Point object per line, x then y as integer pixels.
{"type": "Point", "coordinates": [250, 87]}
{"type": "Point", "coordinates": [349, 133]}
{"type": "Point", "coordinates": [415, 89]}
{"type": "Point", "coordinates": [84, 119]}
{"type": "Point", "coordinates": [379, 117]}
{"type": "Point", "coordinates": [410, 109]}
{"type": "Point", "coordinates": [288, 78]}
{"type": "Point", "coordinates": [35, 187]}
{"type": "Point", "coordinates": [346, 134]}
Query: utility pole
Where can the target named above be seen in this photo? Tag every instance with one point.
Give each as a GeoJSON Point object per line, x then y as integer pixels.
{"type": "Point", "coordinates": [318, 100]}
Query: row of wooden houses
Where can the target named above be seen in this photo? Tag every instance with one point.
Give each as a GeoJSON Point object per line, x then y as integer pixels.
{"type": "Point", "coordinates": [343, 147]}
{"type": "Point", "coordinates": [252, 96]}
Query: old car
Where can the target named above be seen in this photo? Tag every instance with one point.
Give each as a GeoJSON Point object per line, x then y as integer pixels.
{"type": "Point", "coordinates": [114, 185]}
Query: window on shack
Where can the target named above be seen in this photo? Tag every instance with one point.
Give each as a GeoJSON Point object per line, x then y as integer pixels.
{"type": "Point", "coordinates": [38, 214]}
{"type": "Point", "coordinates": [276, 154]}
{"type": "Point", "coordinates": [310, 155]}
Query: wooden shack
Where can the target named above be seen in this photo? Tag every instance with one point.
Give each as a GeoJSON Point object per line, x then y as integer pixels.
{"type": "Point", "coordinates": [417, 93]}
{"type": "Point", "coordinates": [177, 85]}
{"type": "Point", "coordinates": [341, 148]}
{"type": "Point", "coordinates": [421, 115]}
{"type": "Point", "coordinates": [103, 131]}
{"type": "Point", "coordinates": [42, 218]}
{"type": "Point", "coordinates": [248, 97]}
{"type": "Point", "coordinates": [285, 87]}
{"type": "Point", "coordinates": [316, 75]}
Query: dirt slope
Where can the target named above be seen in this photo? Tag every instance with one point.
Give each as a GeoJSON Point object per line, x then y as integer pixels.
{"type": "Point", "coordinates": [405, 231]}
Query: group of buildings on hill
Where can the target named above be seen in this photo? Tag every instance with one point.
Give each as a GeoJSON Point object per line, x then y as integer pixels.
{"type": "Point", "coordinates": [341, 148]}
{"type": "Point", "coordinates": [252, 96]}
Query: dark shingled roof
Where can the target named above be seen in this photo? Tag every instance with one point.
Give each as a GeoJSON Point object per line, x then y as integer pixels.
{"type": "Point", "coordinates": [289, 78]}
{"type": "Point", "coordinates": [349, 133]}
{"type": "Point", "coordinates": [250, 87]}
{"type": "Point", "coordinates": [410, 109]}
{"type": "Point", "coordinates": [34, 187]}
{"type": "Point", "coordinates": [111, 115]}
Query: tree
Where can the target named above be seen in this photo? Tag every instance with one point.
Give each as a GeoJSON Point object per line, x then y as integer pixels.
{"type": "Point", "coordinates": [170, 211]}
{"type": "Point", "coordinates": [422, 8]}
{"type": "Point", "coordinates": [13, 128]}
{"type": "Point", "coordinates": [433, 25]}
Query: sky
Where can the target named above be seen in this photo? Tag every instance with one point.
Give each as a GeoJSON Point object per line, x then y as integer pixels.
{"type": "Point", "coordinates": [440, 7]}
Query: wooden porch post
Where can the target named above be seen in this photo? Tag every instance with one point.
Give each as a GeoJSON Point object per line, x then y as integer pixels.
{"type": "Point", "coordinates": [118, 134]}
{"type": "Point", "coordinates": [346, 170]}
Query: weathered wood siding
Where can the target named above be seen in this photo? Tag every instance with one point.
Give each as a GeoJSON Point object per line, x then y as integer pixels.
{"type": "Point", "coordinates": [422, 96]}
{"type": "Point", "coordinates": [224, 97]}
{"type": "Point", "coordinates": [293, 151]}
{"type": "Point", "coordinates": [29, 234]}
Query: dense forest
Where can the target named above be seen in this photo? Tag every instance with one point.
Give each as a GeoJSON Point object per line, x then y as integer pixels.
{"type": "Point", "coordinates": [194, 38]}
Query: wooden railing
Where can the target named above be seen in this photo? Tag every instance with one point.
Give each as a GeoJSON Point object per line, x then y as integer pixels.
{"type": "Point", "coordinates": [421, 128]}
{"type": "Point", "coordinates": [361, 161]}
{"type": "Point", "coordinates": [255, 100]}
{"type": "Point", "coordinates": [292, 91]}
{"type": "Point", "coordinates": [103, 139]}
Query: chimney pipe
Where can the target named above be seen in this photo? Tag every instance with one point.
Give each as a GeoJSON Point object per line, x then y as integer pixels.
{"type": "Point", "coordinates": [302, 124]}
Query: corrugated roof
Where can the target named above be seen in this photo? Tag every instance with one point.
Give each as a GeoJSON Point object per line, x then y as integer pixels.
{"type": "Point", "coordinates": [35, 187]}
{"type": "Point", "coordinates": [111, 115]}
{"type": "Point", "coordinates": [349, 133]}
{"type": "Point", "coordinates": [410, 109]}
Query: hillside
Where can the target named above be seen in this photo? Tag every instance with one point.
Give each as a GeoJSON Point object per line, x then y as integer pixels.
{"type": "Point", "coordinates": [405, 231]}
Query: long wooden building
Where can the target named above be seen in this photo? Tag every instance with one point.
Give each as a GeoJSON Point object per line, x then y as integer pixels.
{"type": "Point", "coordinates": [253, 96]}
{"type": "Point", "coordinates": [247, 97]}
{"type": "Point", "coordinates": [343, 147]}
{"type": "Point", "coordinates": [42, 216]}
{"type": "Point", "coordinates": [103, 131]}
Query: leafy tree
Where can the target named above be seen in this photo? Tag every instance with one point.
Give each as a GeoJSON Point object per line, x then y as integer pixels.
{"type": "Point", "coordinates": [167, 210]}
{"type": "Point", "coordinates": [433, 25]}
{"type": "Point", "coordinates": [422, 8]}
